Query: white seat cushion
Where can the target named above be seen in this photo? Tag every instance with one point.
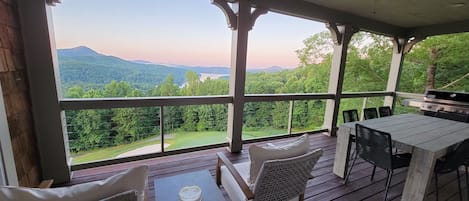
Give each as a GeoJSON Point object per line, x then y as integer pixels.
{"type": "Point", "coordinates": [258, 155]}
{"type": "Point", "coordinates": [229, 183]}
{"type": "Point", "coordinates": [132, 179]}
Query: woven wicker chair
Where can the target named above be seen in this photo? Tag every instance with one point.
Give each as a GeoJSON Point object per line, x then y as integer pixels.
{"type": "Point", "coordinates": [278, 180]}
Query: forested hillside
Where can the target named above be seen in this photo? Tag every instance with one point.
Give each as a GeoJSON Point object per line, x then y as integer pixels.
{"type": "Point", "coordinates": [439, 62]}
{"type": "Point", "coordinates": [87, 68]}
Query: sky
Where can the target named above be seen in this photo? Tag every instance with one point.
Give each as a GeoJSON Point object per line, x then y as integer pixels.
{"type": "Point", "coordinates": [183, 32]}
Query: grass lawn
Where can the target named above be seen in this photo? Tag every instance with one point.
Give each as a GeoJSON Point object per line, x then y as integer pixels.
{"type": "Point", "coordinates": [111, 152]}
{"type": "Point", "coordinates": [178, 140]}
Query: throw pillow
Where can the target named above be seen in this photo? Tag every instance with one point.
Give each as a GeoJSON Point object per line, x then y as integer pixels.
{"type": "Point", "coordinates": [132, 179]}
{"type": "Point", "coordinates": [258, 155]}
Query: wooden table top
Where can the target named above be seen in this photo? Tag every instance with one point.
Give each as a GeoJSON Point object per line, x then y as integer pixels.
{"type": "Point", "coordinates": [425, 132]}
{"type": "Point", "coordinates": [167, 188]}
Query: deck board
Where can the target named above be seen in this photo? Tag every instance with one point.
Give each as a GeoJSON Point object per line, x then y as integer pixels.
{"type": "Point", "coordinates": [325, 186]}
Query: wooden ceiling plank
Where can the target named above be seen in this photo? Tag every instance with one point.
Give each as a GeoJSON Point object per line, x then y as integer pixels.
{"type": "Point", "coordinates": [439, 29]}
{"type": "Point", "coordinates": [307, 10]}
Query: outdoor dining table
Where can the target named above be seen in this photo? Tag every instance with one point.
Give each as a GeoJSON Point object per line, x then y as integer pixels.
{"type": "Point", "coordinates": [428, 138]}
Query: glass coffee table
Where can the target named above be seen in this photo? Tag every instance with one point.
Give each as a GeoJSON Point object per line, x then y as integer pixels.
{"type": "Point", "coordinates": [167, 188]}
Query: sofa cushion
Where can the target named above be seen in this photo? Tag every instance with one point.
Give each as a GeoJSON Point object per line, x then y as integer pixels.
{"type": "Point", "coordinates": [258, 155]}
{"type": "Point", "coordinates": [132, 179]}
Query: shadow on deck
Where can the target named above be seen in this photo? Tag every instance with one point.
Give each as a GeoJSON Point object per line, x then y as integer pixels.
{"type": "Point", "coordinates": [325, 186]}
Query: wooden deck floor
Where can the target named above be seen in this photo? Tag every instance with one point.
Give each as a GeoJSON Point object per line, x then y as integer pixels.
{"type": "Point", "coordinates": [325, 185]}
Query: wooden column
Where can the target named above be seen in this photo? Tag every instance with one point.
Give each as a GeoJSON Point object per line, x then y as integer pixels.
{"type": "Point", "coordinates": [341, 36]}
{"type": "Point", "coordinates": [240, 20]}
{"type": "Point", "coordinates": [401, 46]}
{"type": "Point", "coordinates": [42, 69]}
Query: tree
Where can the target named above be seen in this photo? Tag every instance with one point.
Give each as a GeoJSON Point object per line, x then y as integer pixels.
{"type": "Point", "coordinates": [191, 87]}
{"type": "Point", "coordinates": [445, 61]}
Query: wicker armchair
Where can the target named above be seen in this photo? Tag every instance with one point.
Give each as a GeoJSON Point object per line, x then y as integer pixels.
{"type": "Point", "coordinates": [278, 180]}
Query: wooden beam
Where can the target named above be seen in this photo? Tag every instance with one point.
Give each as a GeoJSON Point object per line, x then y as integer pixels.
{"type": "Point", "coordinates": [107, 103]}
{"type": "Point", "coordinates": [231, 18]}
{"type": "Point", "coordinates": [286, 97]}
{"type": "Point", "coordinates": [42, 68]}
{"type": "Point", "coordinates": [395, 69]}
{"type": "Point", "coordinates": [339, 58]}
{"type": "Point", "coordinates": [307, 10]}
{"type": "Point", "coordinates": [239, 46]}
{"type": "Point", "coordinates": [367, 94]}
{"type": "Point", "coordinates": [439, 29]}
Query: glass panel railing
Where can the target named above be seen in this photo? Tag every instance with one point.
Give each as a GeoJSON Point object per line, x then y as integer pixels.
{"type": "Point", "coordinates": [194, 125]}
{"type": "Point", "coordinates": [268, 119]}
{"type": "Point", "coordinates": [308, 115]}
{"type": "Point", "coordinates": [265, 119]}
{"type": "Point", "coordinates": [100, 134]}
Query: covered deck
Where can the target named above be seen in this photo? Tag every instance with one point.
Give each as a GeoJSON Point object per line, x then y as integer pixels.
{"type": "Point", "coordinates": [325, 185]}
{"type": "Point", "coordinates": [42, 108]}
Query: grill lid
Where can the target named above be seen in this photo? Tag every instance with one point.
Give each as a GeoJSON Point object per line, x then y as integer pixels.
{"type": "Point", "coordinates": [447, 95]}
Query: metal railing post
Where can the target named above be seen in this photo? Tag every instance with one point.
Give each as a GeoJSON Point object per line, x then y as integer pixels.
{"type": "Point", "coordinates": [365, 100]}
{"type": "Point", "coordinates": [290, 117]}
{"type": "Point", "coordinates": [162, 129]}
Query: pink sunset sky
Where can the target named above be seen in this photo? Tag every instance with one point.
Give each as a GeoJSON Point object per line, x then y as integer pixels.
{"type": "Point", "coordinates": [184, 32]}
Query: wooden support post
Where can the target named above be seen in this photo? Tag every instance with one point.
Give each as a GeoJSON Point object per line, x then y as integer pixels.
{"type": "Point", "coordinates": [240, 20]}
{"type": "Point", "coordinates": [419, 174]}
{"type": "Point", "coordinates": [341, 36]}
{"type": "Point", "coordinates": [395, 70]}
{"type": "Point", "coordinates": [42, 68]}
{"type": "Point", "coordinates": [401, 46]}
{"type": "Point", "coordinates": [342, 152]}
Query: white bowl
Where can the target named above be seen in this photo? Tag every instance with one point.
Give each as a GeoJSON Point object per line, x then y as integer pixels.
{"type": "Point", "coordinates": [190, 193]}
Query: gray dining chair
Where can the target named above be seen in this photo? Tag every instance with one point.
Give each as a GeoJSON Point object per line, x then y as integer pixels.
{"type": "Point", "coordinates": [375, 147]}
{"type": "Point", "coordinates": [370, 113]}
{"type": "Point", "coordinates": [384, 111]}
{"type": "Point", "coordinates": [450, 163]}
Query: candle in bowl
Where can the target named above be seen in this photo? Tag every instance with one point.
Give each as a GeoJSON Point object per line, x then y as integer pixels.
{"type": "Point", "coordinates": [190, 193]}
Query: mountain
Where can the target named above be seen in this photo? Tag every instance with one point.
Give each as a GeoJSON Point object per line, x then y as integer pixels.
{"type": "Point", "coordinates": [142, 61]}
{"type": "Point", "coordinates": [226, 70]}
{"type": "Point", "coordinates": [86, 67]}
{"type": "Point", "coordinates": [200, 69]}
{"type": "Point", "coordinates": [78, 51]}
{"type": "Point", "coordinates": [271, 69]}
{"type": "Point", "coordinates": [82, 65]}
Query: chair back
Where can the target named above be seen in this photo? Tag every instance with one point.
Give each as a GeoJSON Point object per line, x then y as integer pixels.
{"type": "Point", "coordinates": [284, 179]}
{"type": "Point", "coordinates": [384, 111]}
{"type": "Point", "coordinates": [370, 113]}
{"type": "Point", "coordinates": [374, 146]}
{"type": "Point", "coordinates": [455, 158]}
{"type": "Point", "coordinates": [453, 116]}
{"type": "Point", "coordinates": [350, 115]}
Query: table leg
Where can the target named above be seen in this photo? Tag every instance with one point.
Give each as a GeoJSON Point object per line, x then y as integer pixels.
{"type": "Point", "coordinates": [342, 151]}
{"type": "Point", "coordinates": [419, 175]}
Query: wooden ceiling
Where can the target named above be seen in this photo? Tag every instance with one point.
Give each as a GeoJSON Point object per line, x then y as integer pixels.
{"type": "Point", "coordinates": [404, 18]}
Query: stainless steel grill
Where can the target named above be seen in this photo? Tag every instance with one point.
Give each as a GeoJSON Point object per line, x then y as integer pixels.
{"type": "Point", "coordinates": [454, 102]}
